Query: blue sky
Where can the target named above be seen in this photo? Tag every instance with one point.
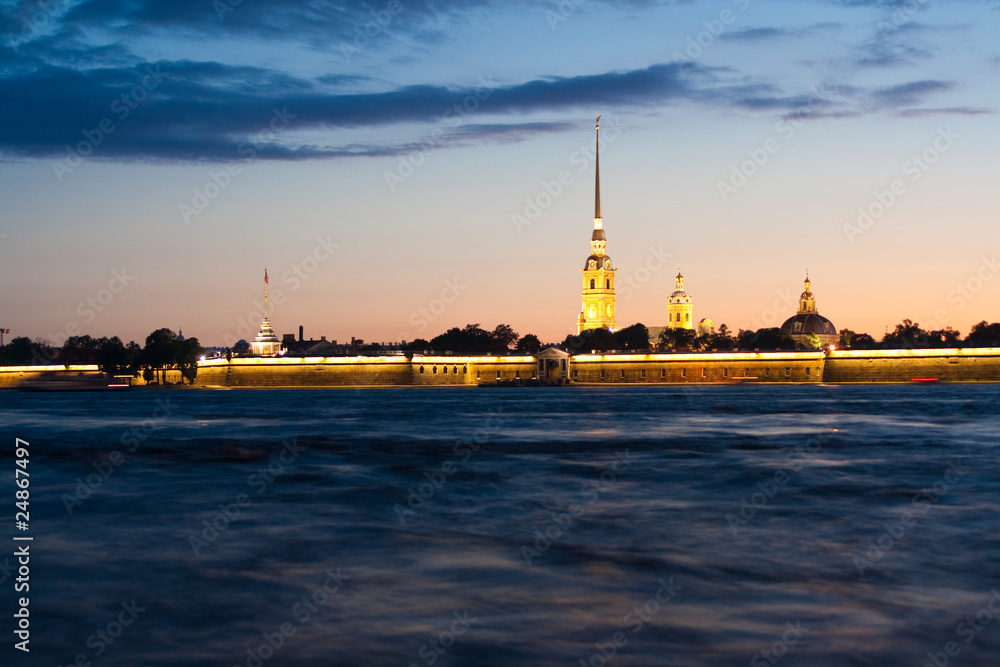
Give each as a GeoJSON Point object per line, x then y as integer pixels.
{"type": "Point", "coordinates": [405, 167]}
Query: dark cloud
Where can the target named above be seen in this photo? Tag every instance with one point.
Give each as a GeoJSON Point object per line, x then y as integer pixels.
{"type": "Point", "coordinates": [758, 34]}
{"type": "Point", "coordinates": [909, 93]}
{"type": "Point", "coordinates": [949, 111]}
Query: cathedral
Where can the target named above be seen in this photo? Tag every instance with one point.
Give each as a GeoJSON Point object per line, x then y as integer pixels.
{"type": "Point", "coordinates": [598, 310]}
{"type": "Point", "coordinates": [808, 321]}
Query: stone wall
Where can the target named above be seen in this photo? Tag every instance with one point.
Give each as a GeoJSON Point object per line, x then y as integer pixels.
{"type": "Point", "coordinates": [948, 365]}
{"type": "Point", "coordinates": [784, 367]}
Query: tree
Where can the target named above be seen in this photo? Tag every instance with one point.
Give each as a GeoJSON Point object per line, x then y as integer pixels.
{"type": "Point", "coordinates": [504, 336]}
{"type": "Point", "coordinates": [765, 339]}
{"type": "Point", "coordinates": [635, 337]}
{"type": "Point", "coordinates": [677, 339]}
{"type": "Point", "coordinates": [186, 355]}
{"type": "Point", "coordinates": [984, 335]}
{"type": "Point", "coordinates": [529, 344]}
{"type": "Point", "coordinates": [600, 340]}
{"type": "Point", "coordinates": [906, 335]}
{"type": "Point", "coordinates": [22, 351]}
{"type": "Point", "coordinates": [946, 337]}
{"type": "Point", "coordinates": [159, 353]}
{"type": "Point", "coordinates": [116, 359]}
{"type": "Point", "coordinates": [811, 342]}
{"type": "Point", "coordinates": [79, 350]}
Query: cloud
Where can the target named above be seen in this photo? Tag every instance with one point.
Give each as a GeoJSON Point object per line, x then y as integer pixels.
{"type": "Point", "coordinates": [909, 93]}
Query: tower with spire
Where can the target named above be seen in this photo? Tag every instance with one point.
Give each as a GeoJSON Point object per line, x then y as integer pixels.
{"type": "Point", "coordinates": [679, 306]}
{"type": "Point", "coordinates": [598, 309]}
{"type": "Point", "coordinates": [266, 343]}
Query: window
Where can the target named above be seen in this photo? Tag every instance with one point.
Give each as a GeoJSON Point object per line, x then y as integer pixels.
{"type": "Point", "coordinates": [746, 372]}
{"type": "Point", "coordinates": [454, 369]}
{"type": "Point", "coordinates": [479, 375]}
{"type": "Point", "coordinates": [687, 317]}
{"type": "Point", "coordinates": [622, 376]}
{"type": "Point", "coordinates": [725, 372]}
{"type": "Point", "coordinates": [788, 372]}
{"type": "Point", "coordinates": [576, 373]}
{"type": "Point", "coordinates": [642, 373]}
{"type": "Point", "coordinates": [703, 372]}
{"type": "Point", "coordinates": [434, 370]}
{"type": "Point", "coordinates": [684, 372]}
{"type": "Point", "coordinates": [797, 327]}
{"type": "Point", "coordinates": [444, 369]}
{"type": "Point", "coordinates": [670, 317]}
{"type": "Point", "coordinates": [421, 370]}
{"type": "Point", "coordinates": [498, 375]}
{"type": "Point", "coordinates": [767, 372]}
{"type": "Point", "coordinates": [807, 371]}
{"type": "Point", "coordinates": [465, 370]}
{"type": "Point", "coordinates": [592, 283]}
{"type": "Point", "coordinates": [602, 373]}
{"type": "Point", "coordinates": [517, 375]}
{"type": "Point", "coordinates": [607, 283]}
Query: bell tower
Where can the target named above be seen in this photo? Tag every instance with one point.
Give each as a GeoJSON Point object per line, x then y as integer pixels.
{"type": "Point", "coordinates": [598, 310]}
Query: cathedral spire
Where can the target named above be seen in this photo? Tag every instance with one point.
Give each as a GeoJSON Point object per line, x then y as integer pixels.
{"type": "Point", "coordinates": [265, 292]}
{"type": "Point", "coordinates": [597, 177]}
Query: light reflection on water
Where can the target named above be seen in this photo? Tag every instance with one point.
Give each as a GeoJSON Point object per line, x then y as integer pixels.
{"type": "Point", "coordinates": [425, 529]}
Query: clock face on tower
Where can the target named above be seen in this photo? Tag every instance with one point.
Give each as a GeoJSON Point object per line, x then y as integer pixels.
{"type": "Point", "coordinates": [592, 264]}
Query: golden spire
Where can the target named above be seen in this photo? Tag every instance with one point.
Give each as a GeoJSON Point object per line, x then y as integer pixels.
{"type": "Point", "coordinates": [597, 180]}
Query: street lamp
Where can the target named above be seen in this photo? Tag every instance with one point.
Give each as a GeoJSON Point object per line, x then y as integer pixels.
{"type": "Point", "coordinates": [2, 332]}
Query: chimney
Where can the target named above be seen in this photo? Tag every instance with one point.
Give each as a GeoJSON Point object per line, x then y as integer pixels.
{"type": "Point", "coordinates": [300, 333]}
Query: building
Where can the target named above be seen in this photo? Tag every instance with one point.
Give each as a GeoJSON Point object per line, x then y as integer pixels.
{"type": "Point", "coordinates": [808, 321]}
{"type": "Point", "coordinates": [598, 309]}
{"type": "Point", "coordinates": [266, 344]}
{"type": "Point", "coordinates": [679, 306]}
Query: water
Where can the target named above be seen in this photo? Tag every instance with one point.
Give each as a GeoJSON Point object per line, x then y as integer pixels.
{"type": "Point", "coordinates": [633, 526]}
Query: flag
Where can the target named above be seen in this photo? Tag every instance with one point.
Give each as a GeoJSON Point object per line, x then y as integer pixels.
{"type": "Point", "coordinates": [265, 276]}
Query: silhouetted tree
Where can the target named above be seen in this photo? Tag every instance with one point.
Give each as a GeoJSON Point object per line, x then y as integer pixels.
{"type": "Point", "coordinates": [600, 340]}
{"type": "Point", "coordinates": [906, 335]}
{"type": "Point", "coordinates": [159, 353]}
{"type": "Point", "coordinates": [504, 336]}
{"type": "Point", "coordinates": [984, 335]}
{"type": "Point", "coordinates": [677, 339]}
{"type": "Point", "coordinates": [529, 344]}
{"type": "Point", "coordinates": [764, 339]}
{"type": "Point", "coordinates": [635, 337]}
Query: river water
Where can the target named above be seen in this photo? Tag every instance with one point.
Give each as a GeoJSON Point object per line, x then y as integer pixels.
{"type": "Point", "coordinates": [731, 525]}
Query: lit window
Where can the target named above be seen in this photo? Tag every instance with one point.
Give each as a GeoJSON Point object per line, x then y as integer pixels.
{"type": "Point", "coordinates": [498, 375]}
{"type": "Point", "coordinates": [517, 375]}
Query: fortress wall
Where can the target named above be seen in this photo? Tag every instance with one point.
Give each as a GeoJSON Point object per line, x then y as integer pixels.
{"type": "Point", "coordinates": [946, 365]}
{"type": "Point", "coordinates": [12, 377]}
{"type": "Point", "coordinates": [304, 372]}
{"type": "Point", "coordinates": [783, 367]}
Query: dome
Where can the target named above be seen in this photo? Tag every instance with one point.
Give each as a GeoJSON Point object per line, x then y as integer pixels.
{"type": "Point", "coordinates": [598, 235]}
{"type": "Point", "coordinates": [808, 323]}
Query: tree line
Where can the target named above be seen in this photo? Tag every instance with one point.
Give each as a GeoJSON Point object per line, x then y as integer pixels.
{"type": "Point", "coordinates": [162, 351]}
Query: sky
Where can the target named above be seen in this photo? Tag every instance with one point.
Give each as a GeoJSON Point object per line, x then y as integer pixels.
{"type": "Point", "coordinates": [401, 168]}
